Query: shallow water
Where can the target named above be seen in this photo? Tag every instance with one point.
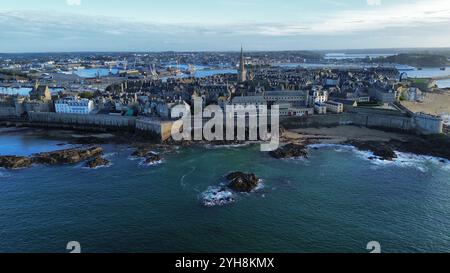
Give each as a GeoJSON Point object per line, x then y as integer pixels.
{"type": "Point", "coordinates": [335, 201]}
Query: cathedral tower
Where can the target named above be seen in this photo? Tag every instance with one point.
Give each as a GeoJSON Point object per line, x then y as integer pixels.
{"type": "Point", "coordinates": [242, 73]}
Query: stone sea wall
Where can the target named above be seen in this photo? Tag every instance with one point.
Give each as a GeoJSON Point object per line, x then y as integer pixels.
{"type": "Point", "coordinates": [157, 129]}
{"type": "Point", "coordinates": [392, 120]}
{"type": "Point", "coordinates": [7, 111]}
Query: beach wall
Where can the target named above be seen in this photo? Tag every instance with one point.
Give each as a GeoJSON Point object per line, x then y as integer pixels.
{"type": "Point", "coordinates": [160, 130]}
{"type": "Point", "coordinates": [105, 122]}
{"type": "Point", "coordinates": [392, 120]}
{"type": "Point", "coordinates": [428, 124]}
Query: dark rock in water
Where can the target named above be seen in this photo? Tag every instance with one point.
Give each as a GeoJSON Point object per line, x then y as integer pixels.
{"type": "Point", "coordinates": [242, 182]}
{"type": "Point", "coordinates": [434, 145]}
{"type": "Point", "coordinates": [380, 149]}
{"type": "Point", "coordinates": [15, 162]}
{"type": "Point", "coordinates": [442, 161]}
{"type": "Point", "coordinates": [97, 162]}
{"type": "Point", "coordinates": [142, 151]}
{"type": "Point", "coordinates": [69, 156]}
{"type": "Point", "coordinates": [152, 159]}
{"type": "Point", "coordinates": [290, 151]}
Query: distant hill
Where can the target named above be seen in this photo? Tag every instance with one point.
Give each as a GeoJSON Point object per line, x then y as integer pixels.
{"type": "Point", "coordinates": [417, 60]}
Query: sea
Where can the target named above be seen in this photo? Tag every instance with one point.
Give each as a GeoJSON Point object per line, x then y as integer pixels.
{"type": "Point", "coordinates": [430, 73]}
{"type": "Point", "coordinates": [337, 200]}
{"type": "Point", "coordinates": [23, 91]}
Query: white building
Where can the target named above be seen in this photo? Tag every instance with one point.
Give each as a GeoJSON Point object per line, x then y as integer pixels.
{"type": "Point", "coordinates": [320, 108]}
{"type": "Point", "coordinates": [74, 106]}
{"type": "Point", "coordinates": [249, 100]}
{"type": "Point", "coordinates": [298, 98]}
{"type": "Point", "coordinates": [334, 107]}
{"type": "Point", "coordinates": [318, 96]}
{"type": "Point", "coordinates": [286, 110]}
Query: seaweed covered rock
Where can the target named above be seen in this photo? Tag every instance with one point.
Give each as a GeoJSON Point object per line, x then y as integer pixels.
{"type": "Point", "coordinates": [69, 156]}
{"type": "Point", "coordinates": [290, 151]}
{"type": "Point", "coordinates": [15, 162]}
{"type": "Point", "coordinates": [242, 182]}
{"type": "Point", "coordinates": [97, 162]}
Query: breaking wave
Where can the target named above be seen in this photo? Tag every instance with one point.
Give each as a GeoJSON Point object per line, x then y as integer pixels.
{"type": "Point", "coordinates": [222, 195]}
{"type": "Point", "coordinates": [229, 146]}
{"type": "Point", "coordinates": [217, 196]}
{"type": "Point", "coordinates": [154, 163]}
{"type": "Point", "coordinates": [407, 160]}
{"type": "Point", "coordinates": [110, 164]}
{"type": "Point", "coordinates": [2, 174]}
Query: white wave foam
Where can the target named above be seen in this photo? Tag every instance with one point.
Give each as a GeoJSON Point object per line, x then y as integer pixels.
{"type": "Point", "coordinates": [3, 174]}
{"type": "Point", "coordinates": [217, 196]}
{"type": "Point", "coordinates": [324, 145]}
{"type": "Point", "coordinates": [230, 146]}
{"type": "Point", "coordinates": [110, 155]}
{"type": "Point", "coordinates": [155, 163]}
{"type": "Point", "coordinates": [407, 160]}
{"type": "Point", "coordinates": [110, 164]}
{"type": "Point", "coordinates": [182, 183]}
{"type": "Point", "coordinates": [260, 186]}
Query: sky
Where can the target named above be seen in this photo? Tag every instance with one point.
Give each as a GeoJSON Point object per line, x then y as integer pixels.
{"type": "Point", "coordinates": [213, 25]}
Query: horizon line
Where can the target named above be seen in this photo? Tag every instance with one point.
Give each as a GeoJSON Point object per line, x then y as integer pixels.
{"type": "Point", "coordinates": [206, 51]}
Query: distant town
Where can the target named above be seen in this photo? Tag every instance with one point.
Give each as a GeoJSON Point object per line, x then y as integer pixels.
{"type": "Point", "coordinates": [128, 89]}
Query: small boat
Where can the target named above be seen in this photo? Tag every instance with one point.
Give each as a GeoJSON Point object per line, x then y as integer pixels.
{"type": "Point", "coordinates": [420, 68]}
{"type": "Point", "coordinates": [443, 68]}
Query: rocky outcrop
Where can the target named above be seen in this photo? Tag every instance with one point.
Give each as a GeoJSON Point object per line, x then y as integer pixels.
{"type": "Point", "coordinates": [97, 162]}
{"type": "Point", "coordinates": [15, 162]}
{"type": "Point", "coordinates": [142, 151]}
{"type": "Point", "coordinates": [152, 159]}
{"type": "Point", "coordinates": [434, 145]}
{"type": "Point", "coordinates": [381, 150]}
{"type": "Point", "coordinates": [242, 182]}
{"type": "Point", "coordinates": [69, 156]}
{"type": "Point", "coordinates": [290, 151]}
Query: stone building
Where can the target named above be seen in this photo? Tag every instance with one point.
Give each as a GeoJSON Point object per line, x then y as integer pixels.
{"type": "Point", "coordinates": [40, 93]}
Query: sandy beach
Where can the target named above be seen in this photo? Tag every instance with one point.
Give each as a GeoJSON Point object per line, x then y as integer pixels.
{"type": "Point", "coordinates": [434, 104]}
{"type": "Point", "coordinates": [341, 134]}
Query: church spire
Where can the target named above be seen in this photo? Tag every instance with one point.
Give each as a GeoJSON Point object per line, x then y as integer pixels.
{"type": "Point", "coordinates": [242, 76]}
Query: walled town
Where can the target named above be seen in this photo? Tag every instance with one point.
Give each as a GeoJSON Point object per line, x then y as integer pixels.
{"type": "Point", "coordinates": [138, 91]}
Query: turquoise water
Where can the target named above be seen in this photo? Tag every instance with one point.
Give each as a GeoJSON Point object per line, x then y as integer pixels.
{"type": "Point", "coordinates": [336, 201]}
{"type": "Point", "coordinates": [93, 72]}
{"type": "Point", "coordinates": [23, 91]}
{"type": "Point", "coordinates": [429, 73]}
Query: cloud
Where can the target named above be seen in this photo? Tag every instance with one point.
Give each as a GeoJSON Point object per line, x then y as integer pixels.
{"type": "Point", "coordinates": [374, 2]}
{"type": "Point", "coordinates": [73, 2]}
{"type": "Point", "coordinates": [406, 16]}
{"type": "Point", "coordinates": [413, 24]}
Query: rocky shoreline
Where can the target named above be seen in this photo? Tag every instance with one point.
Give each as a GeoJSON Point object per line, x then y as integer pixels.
{"type": "Point", "coordinates": [383, 145]}
{"type": "Point", "coordinates": [151, 152]}
{"type": "Point", "coordinates": [61, 157]}
{"type": "Point", "coordinates": [435, 146]}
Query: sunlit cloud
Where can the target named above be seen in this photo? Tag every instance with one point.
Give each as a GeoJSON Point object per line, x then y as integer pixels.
{"type": "Point", "coordinates": [392, 24]}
